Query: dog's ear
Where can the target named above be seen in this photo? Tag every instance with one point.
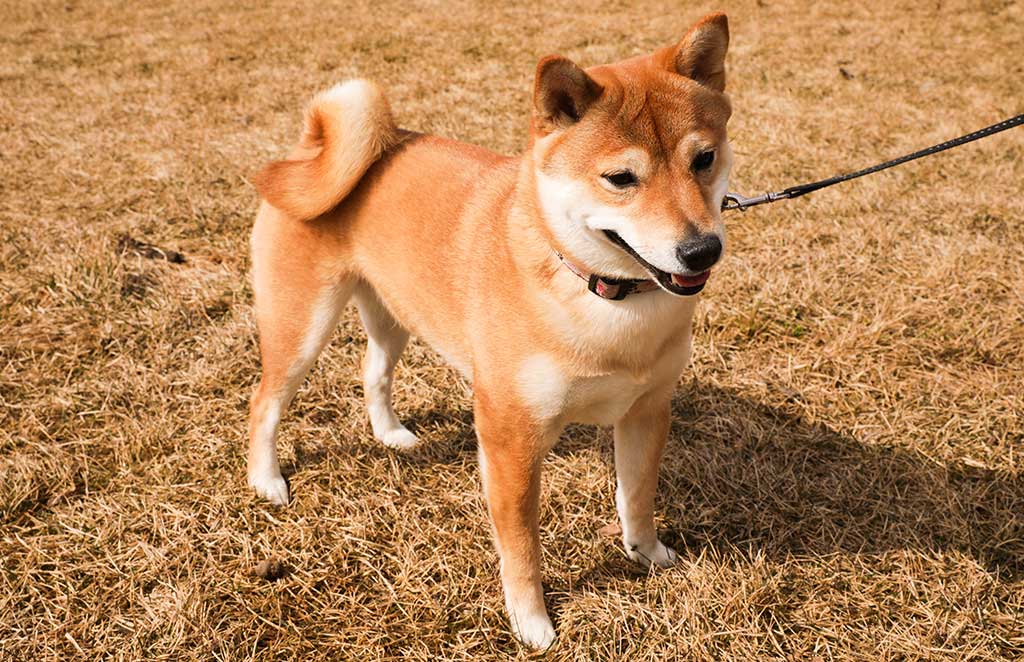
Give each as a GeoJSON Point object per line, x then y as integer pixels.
{"type": "Point", "coordinates": [562, 93]}
{"type": "Point", "coordinates": [700, 55]}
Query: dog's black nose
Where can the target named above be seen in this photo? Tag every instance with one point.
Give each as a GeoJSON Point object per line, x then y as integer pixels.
{"type": "Point", "coordinates": [700, 253]}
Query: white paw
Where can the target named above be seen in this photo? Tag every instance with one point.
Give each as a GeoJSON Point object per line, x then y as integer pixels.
{"type": "Point", "coordinates": [399, 438]}
{"type": "Point", "coordinates": [270, 486]}
{"type": "Point", "coordinates": [533, 630]}
{"type": "Point", "coordinates": [657, 554]}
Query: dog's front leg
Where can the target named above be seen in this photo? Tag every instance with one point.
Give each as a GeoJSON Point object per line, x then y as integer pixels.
{"type": "Point", "coordinates": [639, 441]}
{"type": "Point", "coordinates": [511, 452]}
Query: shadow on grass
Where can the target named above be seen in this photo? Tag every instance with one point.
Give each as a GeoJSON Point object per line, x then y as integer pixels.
{"type": "Point", "coordinates": [742, 475]}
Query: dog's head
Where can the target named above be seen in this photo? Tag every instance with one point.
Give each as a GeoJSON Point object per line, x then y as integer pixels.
{"type": "Point", "coordinates": [632, 162]}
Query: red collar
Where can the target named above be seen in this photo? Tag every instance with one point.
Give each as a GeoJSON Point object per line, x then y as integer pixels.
{"type": "Point", "coordinates": [615, 289]}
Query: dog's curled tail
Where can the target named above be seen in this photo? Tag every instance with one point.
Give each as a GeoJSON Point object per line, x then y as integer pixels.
{"type": "Point", "coordinates": [347, 128]}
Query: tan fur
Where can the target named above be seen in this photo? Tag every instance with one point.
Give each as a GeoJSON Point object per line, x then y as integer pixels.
{"type": "Point", "coordinates": [455, 244]}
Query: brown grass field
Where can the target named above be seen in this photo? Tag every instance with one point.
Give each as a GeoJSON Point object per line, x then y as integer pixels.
{"type": "Point", "coordinates": [845, 474]}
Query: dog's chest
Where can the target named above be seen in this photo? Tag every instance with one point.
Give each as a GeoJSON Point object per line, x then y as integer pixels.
{"type": "Point", "coordinates": [554, 391]}
{"type": "Point", "coordinates": [611, 356]}
{"type": "Point", "coordinates": [604, 399]}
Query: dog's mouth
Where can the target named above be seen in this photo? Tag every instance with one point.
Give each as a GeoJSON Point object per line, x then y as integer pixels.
{"type": "Point", "coordinates": [677, 284]}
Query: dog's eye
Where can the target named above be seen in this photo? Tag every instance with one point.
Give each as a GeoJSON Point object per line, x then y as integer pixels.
{"type": "Point", "coordinates": [704, 160]}
{"type": "Point", "coordinates": [621, 179]}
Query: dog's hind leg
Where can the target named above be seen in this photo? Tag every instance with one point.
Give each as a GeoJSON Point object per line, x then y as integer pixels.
{"type": "Point", "coordinates": [386, 339]}
{"type": "Point", "coordinates": [296, 314]}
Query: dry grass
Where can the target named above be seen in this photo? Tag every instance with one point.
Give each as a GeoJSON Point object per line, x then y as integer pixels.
{"type": "Point", "coordinates": [845, 477]}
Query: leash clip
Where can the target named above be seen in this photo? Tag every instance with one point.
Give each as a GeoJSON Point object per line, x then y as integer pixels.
{"type": "Point", "coordinates": [736, 201]}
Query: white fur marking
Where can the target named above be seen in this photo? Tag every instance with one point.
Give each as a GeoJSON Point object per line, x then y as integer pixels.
{"type": "Point", "coordinates": [532, 628]}
{"type": "Point", "coordinates": [643, 551]}
{"type": "Point", "coordinates": [542, 386]}
{"type": "Point", "coordinates": [385, 342]}
{"type": "Point", "coordinates": [325, 319]}
{"type": "Point", "coordinates": [270, 487]}
{"type": "Point", "coordinates": [377, 376]}
{"type": "Point", "coordinates": [571, 213]}
{"type": "Point", "coordinates": [577, 219]}
{"type": "Point", "coordinates": [264, 473]}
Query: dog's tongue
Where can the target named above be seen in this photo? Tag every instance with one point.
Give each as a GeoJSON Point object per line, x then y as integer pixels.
{"type": "Point", "coordinates": [691, 281]}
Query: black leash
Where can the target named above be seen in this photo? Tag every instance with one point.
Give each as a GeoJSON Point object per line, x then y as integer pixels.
{"type": "Point", "coordinates": [736, 201]}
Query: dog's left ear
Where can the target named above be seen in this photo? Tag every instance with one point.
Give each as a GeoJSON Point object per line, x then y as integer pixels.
{"type": "Point", "coordinates": [562, 93]}
{"type": "Point", "coordinates": [700, 55]}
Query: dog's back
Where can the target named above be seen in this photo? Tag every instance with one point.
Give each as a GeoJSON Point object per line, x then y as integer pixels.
{"type": "Point", "coordinates": [398, 210]}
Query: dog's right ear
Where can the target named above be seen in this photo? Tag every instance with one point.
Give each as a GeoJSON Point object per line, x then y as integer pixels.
{"type": "Point", "coordinates": [562, 93]}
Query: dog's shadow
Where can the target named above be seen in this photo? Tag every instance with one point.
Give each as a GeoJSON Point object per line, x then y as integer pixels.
{"type": "Point", "coordinates": [743, 477]}
{"type": "Point", "coordinates": [740, 476]}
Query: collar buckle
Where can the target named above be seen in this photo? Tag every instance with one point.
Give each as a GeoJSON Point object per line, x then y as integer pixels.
{"type": "Point", "coordinates": [610, 289]}
{"type": "Point", "coordinates": [606, 288]}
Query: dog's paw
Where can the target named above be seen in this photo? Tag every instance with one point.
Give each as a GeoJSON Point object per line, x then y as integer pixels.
{"type": "Point", "coordinates": [533, 630]}
{"type": "Point", "coordinates": [271, 487]}
{"type": "Point", "coordinates": [656, 554]}
{"type": "Point", "coordinates": [399, 438]}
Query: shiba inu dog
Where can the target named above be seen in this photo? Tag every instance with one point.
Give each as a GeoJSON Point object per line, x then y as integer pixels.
{"type": "Point", "coordinates": [560, 282]}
